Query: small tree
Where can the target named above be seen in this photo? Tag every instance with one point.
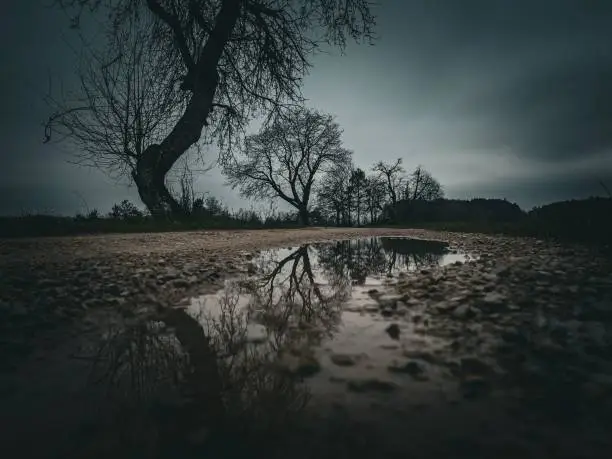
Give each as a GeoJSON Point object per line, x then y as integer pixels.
{"type": "Point", "coordinates": [375, 194]}
{"type": "Point", "coordinates": [333, 191]}
{"type": "Point", "coordinates": [357, 187]}
{"type": "Point", "coordinates": [125, 211]}
{"type": "Point", "coordinates": [392, 174]}
{"type": "Point", "coordinates": [284, 159]}
{"type": "Point", "coordinates": [422, 186]}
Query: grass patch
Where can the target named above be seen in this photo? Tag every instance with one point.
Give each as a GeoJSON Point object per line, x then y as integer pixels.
{"type": "Point", "coordinates": [45, 225]}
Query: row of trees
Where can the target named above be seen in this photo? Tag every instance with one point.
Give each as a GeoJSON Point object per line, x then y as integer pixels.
{"type": "Point", "coordinates": [176, 75]}
{"type": "Point", "coordinates": [349, 196]}
{"type": "Point", "coordinates": [301, 160]}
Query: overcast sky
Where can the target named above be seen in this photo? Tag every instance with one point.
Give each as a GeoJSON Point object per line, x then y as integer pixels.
{"type": "Point", "coordinates": [496, 98]}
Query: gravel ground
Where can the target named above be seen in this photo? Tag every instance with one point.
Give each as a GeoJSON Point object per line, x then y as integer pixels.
{"type": "Point", "coordinates": [44, 281]}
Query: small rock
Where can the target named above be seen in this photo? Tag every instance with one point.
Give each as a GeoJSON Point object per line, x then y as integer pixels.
{"type": "Point", "coordinates": [393, 331]}
{"type": "Point", "coordinates": [421, 355]}
{"type": "Point", "coordinates": [308, 366]}
{"type": "Point", "coordinates": [190, 267]}
{"type": "Point", "coordinates": [494, 298]}
{"type": "Point", "coordinates": [344, 360]}
{"type": "Point", "coordinates": [112, 289]}
{"type": "Point", "coordinates": [171, 273]}
{"type": "Point", "coordinates": [46, 283]}
{"type": "Point", "coordinates": [414, 369]}
{"type": "Point", "coordinates": [473, 365]}
{"type": "Point", "coordinates": [180, 283]}
{"type": "Point", "coordinates": [371, 385]}
{"type": "Point", "coordinates": [464, 312]}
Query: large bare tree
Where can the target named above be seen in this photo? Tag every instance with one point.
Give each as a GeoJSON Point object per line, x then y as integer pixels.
{"type": "Point", "coordinates": [284, 159]}
{"type": "Point", "coordinates": [234, 59]}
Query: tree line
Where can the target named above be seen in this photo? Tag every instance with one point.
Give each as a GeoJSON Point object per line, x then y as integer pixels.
{"type": "Point", "coordinates": [175, 76]}
{"type": "Point", "coordinates": [301, 160]}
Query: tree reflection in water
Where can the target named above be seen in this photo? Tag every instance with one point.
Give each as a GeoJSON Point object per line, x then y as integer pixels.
{"type": "Point", "coordinates": [206, 376]}
{"type": "Point", "coordinates": [361, 258]}
{"type": "Point", "coordinates": [196, 385]}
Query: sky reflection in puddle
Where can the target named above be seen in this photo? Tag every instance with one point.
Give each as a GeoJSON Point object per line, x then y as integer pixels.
{"type": "Point", "coordinates": [328, 311]}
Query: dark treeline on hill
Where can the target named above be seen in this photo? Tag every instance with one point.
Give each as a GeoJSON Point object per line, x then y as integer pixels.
{"type": "Point", "coordinates": [457, 210]}
{"type": "Point", "coordinates": [588, 220]}
{"type": "Point", "coordinates": [584, 220]}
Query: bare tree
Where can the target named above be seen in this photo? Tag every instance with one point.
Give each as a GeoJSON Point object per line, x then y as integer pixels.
{"type": "Point", "coordinates": [285, 158]}
{"type": "Point", "coordinates": [422, 186]}
{"type": "Point", "coordinates": [375, 193]}
{"type": "Point", "coordinates": [357, 184]}
{"type": "Point", "coordinates": [333, 192]}
{"type": "Point", "coordinates": [125, 102]}
{"type": "Point", "coordinates": [392, 175]}
{"type": "Point", "coordinates": [234, 59]}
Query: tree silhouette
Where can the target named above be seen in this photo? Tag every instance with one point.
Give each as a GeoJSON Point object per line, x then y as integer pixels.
{"type": "Point", "coordinates": [422, 186]}
{"type": "Point", "coordinates": [125, 102]}
{"type": "Point", "coordinates": [332, 194]}
{"type": "Point", "coordinates": [392, 175]}
{"type": "Point", "coordinates": [285, 159]}
{"type": "Point", "coordinates": [287, 296]}
{"type": "Point", "coordinates": [374, 197]}
{"type": "Point", "coordinates": [357, 185]}
{"type": "Point", "coordinates": [231, 60]}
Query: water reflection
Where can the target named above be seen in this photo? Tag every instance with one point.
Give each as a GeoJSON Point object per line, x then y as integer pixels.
{"type": "Point", "coordinates": [314, 354]}
{"type": "Point", "coordinates": [361, 258]}
{"type": "Point", "coordinates": [233, 364]}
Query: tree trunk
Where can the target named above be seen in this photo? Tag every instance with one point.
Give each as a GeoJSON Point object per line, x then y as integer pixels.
{"type": "Point", "coordinates": [204, 380]}
{"type": "Point", "coordinates": [157, 160]}
{"type": "Point", "coordinates": [152, 189]}
{"type": "Point", "coordinates": [304, 216]}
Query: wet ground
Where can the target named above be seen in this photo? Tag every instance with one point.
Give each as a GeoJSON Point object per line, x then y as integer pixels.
{"type": "Point", "coordinates": [387, 346]}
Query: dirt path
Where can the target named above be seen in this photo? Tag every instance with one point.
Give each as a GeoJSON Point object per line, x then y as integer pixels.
{"type": "Point", "coordinates": [179, 244]}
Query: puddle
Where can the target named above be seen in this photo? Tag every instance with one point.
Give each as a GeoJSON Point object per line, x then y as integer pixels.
{"type": "Point", "coordinates": [330, 310]}
{"type": "Point", "coordinates": [329, 316]}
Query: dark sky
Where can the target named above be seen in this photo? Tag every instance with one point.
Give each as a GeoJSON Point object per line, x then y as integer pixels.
{"type": "Point", "coordinates": [497, 98]}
